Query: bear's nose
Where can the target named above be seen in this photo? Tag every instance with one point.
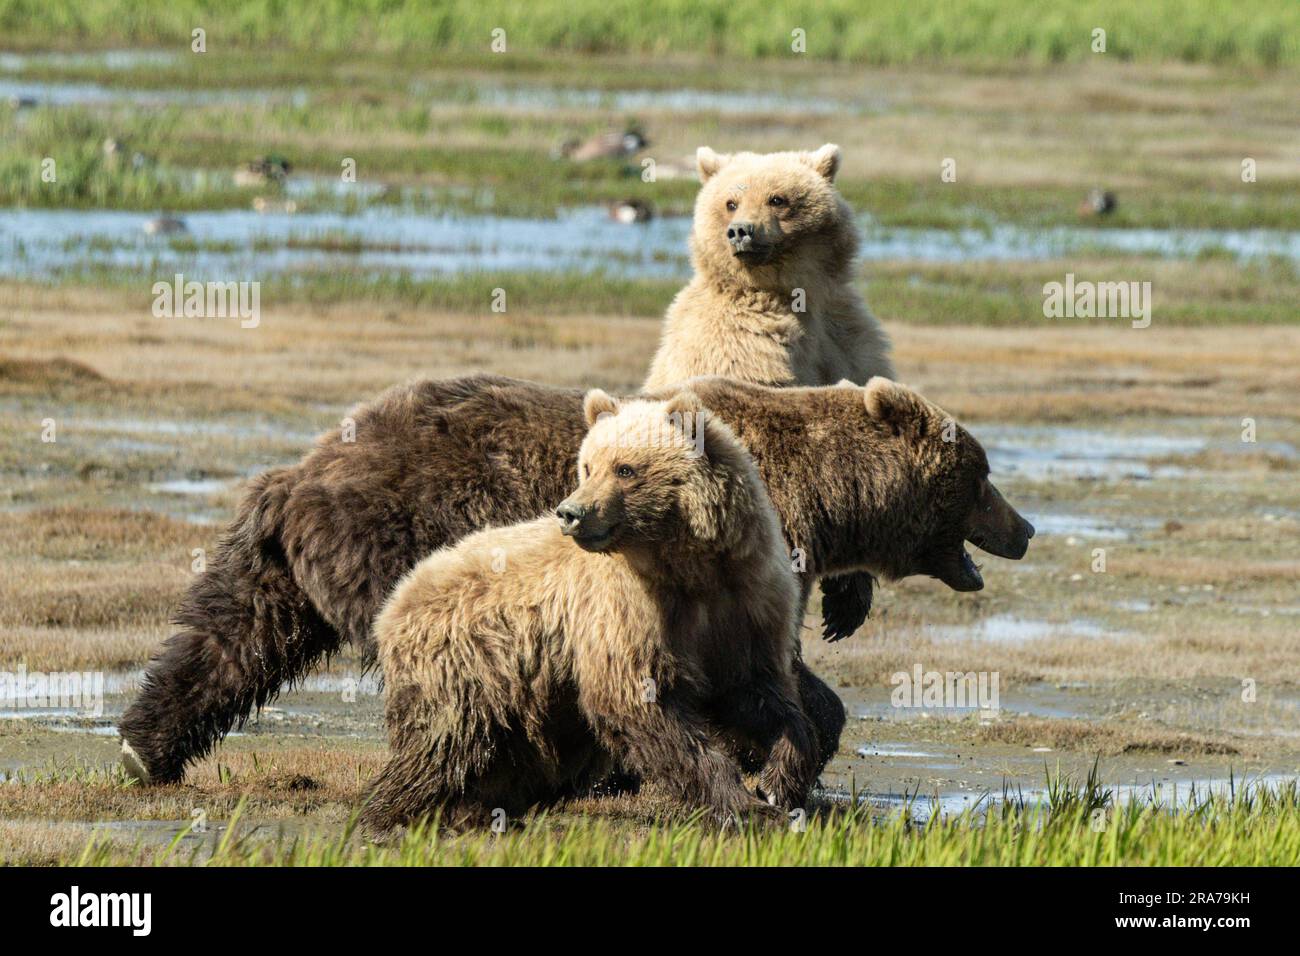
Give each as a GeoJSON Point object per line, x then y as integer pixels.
{"type": "Point", "coordinates": [570, 515]}
{"type": "Point", "coordinates": [740, 235]}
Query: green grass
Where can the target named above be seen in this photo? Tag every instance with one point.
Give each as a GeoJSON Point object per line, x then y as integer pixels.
{"type": "Point", "coordinates": [545, 293]}
{"type": "Point", "coordinates": [1011, 294]}
{"type": "Point", "coordinates": [1076, 825]}
{"type": "Point", "coordinates": [1185, 205]}
{"type": "Point", "coordinates": [1264, 33]}
{"type": "Point", "coordinates": [971, 293]}
{"type": "Point", "coordinates": [192, 152]}
{"type": "Point", "coordinates": [85, 177]}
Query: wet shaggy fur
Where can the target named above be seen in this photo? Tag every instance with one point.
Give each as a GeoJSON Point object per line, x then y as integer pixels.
{"type": "Point", "coordinates": [772, 299]}
{"type": "Point", "coordinates": [658, 628]}
{"type": "Point", "coordinates": [316, 547]}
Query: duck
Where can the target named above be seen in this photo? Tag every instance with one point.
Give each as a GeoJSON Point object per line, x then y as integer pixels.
{"type": "Point", "coordinates": [1100, 202]}
{"type": "Point", "coordinates": [611, 144]}
{"type": "Point", "coordinates": [628, 211]}
{"type": "Point", "coordinates": [164, 226]}
{"type": "Point", "coordinates": [263, 171]}
{"type": "Point", "coordinates": [116, 152]}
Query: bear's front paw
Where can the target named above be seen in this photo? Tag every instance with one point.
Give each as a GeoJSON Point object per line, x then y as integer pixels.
{"type": "Point", "coordinates": [846, 604]}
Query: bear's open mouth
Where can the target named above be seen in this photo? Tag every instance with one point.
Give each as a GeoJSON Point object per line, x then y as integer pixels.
{"type": "Point", "coordinates": [959, 571]}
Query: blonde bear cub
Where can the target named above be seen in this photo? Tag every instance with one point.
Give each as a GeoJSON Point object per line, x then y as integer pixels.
{"type": "Point", "coordinates": [651, 622]}
{"type": "Point", "coordinates": [772, 300]}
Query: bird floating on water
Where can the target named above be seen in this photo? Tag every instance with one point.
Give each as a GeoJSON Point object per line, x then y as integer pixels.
{"type": "Point", "coordinates": [1100, 202]}
{"type": "Point", "coordinates": [628, 211]}
{"type": "Point", "coordinates": [263, 171]}
{"type": "Point", "coordinates": [611, 144]}
{"type": "Point", "coordinates": [164, 226]}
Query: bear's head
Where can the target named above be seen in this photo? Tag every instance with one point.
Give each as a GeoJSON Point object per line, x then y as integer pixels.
{"type": "Point", "coordinates": [657, 473]}
{"type": "Point", "coordinates": [771, 221]}
{"type": "Point", "coordinates": [944, 497]}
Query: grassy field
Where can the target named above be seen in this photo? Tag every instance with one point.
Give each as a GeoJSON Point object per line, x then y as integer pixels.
{"type": "Point", "coordinates": [890, 31]}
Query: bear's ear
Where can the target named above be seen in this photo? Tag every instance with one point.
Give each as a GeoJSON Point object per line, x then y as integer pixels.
{"type": "Point", "coordinates": [826, 161]}
{"type": "Point", "coordinates": [846, 383]}
{"type": "Point", "coordinates": [896, 406]}
{"type": "Point", "coordinates": [708, 162]}
{"type": "Point", "coordinates": [685, 402]}
{"type": "Point", "coordinates": [597, 403]}
{"type": "Point", "coordinates": [686, 413]}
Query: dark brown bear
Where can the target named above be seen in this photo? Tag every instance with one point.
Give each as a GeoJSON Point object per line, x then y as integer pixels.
{"type": "Point", "coordinates": [862, 479]}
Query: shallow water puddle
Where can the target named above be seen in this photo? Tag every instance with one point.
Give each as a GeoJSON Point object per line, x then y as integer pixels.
{"type": "Point", "coordinates": [378, 240]}
{"type": "Point", "coordinates": [190, 486]}
{"type": "Point", "coordinates": [1169, 794]}
{"type": "Point", "coordinates": [32, 93]}
{"type": "Point", "coordinates": [1045, 453]}
{"type": "Point", "coordinates": [1009, 242]}
{"type": "Point", "coordinates": [64, 722]}
{"type": "Point", "coordinates": [103, 59]}
{"type": "Point", "coordinates": [1013, 629]}
{"type": "Point", "coordinates": [1088, 526]}
{"type": "Point", "coordinates": [893, 750]}
{"type": "Point", "coordinates": [38, 713]}
{"type": "Point", "coordinates": [337, 702]}
{"type": "Point", "coordinates": [537, 98]}
{"type": "Point", "coordinates": [1039, 699]}
{"type": "Point", "coordinates": [386, 239]}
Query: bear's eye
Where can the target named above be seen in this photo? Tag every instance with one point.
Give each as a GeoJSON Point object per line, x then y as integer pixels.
{"type": "Point", "coordinates": [776, 201]}
{"type": "Point", "coordinates": [731, 205]}
{"type": "Point", "coordinates": [586, 471]}
{"type": "Point", "coordinates": [624, 471]}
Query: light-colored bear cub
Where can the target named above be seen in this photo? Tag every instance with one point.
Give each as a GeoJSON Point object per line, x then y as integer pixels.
{"type": "Point", "coordinates": [652, 624]}
{"type": "Point", "coordinates": [772, 300]}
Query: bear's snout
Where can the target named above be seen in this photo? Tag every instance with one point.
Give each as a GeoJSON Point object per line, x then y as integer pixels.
{"type": "Point", "coordinates": [741, 236]}
{"type": "Point", "coordinates": [571, 514]}
{"type": "Point", "coordinates": [590, 525]}
{"type": "Point", "coordinates": [999, 528]}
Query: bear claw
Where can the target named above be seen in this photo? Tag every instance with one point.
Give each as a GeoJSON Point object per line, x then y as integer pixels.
{"type": "Point", "coordinates": [133, 765]}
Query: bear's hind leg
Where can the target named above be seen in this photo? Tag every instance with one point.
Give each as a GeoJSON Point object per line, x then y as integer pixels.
{"type": "Point", "coordinates": [777, 738]}
{"type": "Point", "coordinates": [244, 635]}
{"type": "Point", "coordinates": [824, 708]}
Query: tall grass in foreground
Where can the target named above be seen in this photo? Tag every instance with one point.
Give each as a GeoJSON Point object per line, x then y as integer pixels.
{"type": "Point", "coordinates": [1263, 33]}
{"type": "Point", "coordinates": [1075, 826]}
